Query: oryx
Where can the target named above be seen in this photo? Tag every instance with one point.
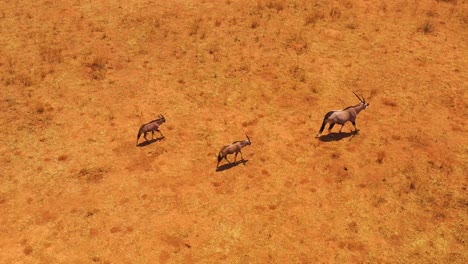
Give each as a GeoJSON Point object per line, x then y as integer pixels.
{"type": "Point", "coordinates": [151, 126]}
{"type": "Point", "coordinates": [342, 116]}
{"type": "Point", "coordinates": [234, 147]}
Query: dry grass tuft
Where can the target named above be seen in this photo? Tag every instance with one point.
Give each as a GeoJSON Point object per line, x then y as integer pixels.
{"type": "Point", "coordinates": [97, 68]}
{"type": "Point", "coordinates": [27, 250]}
{"type": "Point", "coordinates": [373, 93]}
{"type": "Point", "coordinates": [335, 13]}
{"type": "Point", "coordinates": [314, 16]}
{"type": "Point", "coordinates": [94, 175]}
{"type": "Point", "coordinates": [250, 122]}
{"type": "Point", "coordinates": [298, 73]}
{"type": "Point", "coordinates": [51, 55]}
{"type": "Point", "coordinates": [254, 24]}
{"type": "Point", "coordinates": [297, 42]}
{"type": "Point", "coordinates": [277, 5]}
{"type": "Point", "coordinates": [62, 157]}
{"type": "Point", "coordinates": [464, 17]}
{"type": "Point", "coordinates": [389, 102]}
{"type": "Point", "coordinates": [427, 27]}
{"type": "Point", "coordinates": [352, 25]}
{"type": "Point", "coordinates": [25, 80]}
{"type": "Point", "coordinates": [40, 108]}
{"type": "Point", "coordinates": [380, 156]}
{"type": "Point", "coordinates": [335, 155]}
{"type": "Point", "coordinates": [196, 28]}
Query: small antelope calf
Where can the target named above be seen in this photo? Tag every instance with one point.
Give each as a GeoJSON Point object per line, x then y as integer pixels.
{"type": "Point", "coordinates": [342, 116]}
{"type": "Point", "coordinates": [234, 147]}
{"type": "Point", "coordinates": [151, 126]}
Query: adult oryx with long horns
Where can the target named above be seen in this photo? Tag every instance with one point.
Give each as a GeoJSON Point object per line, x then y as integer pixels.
{"type": "Point", "coordinates": [342, 116]}
{"type": "Point", "coordinates": [234, 147]}
{"type": "Point", "coordinates": [151, 126]}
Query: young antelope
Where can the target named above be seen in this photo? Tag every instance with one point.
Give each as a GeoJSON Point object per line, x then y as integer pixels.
{"type": "Point", "coordinates": [151, 126]}
{"type": "Point", "coordinates": [235, 147]}
{"type": "Point", "coordinates": [342, 116]}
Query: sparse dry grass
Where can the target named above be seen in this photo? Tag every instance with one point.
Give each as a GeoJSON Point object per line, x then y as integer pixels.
{"type": "Point", "coordinates": [97, 68]}
{"type": "Point", "coordinates": [277, 5]}
{"type": "Point", "coordinates": [39, 108]}
{"type": "Point", "coordinates": [62, 157]}
{"type": "Point", "coordinates": [380, 156]}
{"type": "Point", "coordinates": [314, 16]}
{"type": "Point", "coordinates": [50, 54]}
{"type": "Point", "coordinates": [389, 102]}
{"type": "Point", "coordinates": [427, 27]}
{"type": "Point", "coordinates": [80, 79]}
{"type": "Point", "coordinates": [335, 13]}
{"type": "Point", "coordinates": [24, 80]}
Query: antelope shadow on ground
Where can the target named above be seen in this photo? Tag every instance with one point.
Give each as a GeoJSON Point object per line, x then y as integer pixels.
{"type": "Point", "coordinates": [231, 165]}
{"type": "Point", "coordinates": [337, 136]}
{"type": "Point", "coordinates": [149, 142]}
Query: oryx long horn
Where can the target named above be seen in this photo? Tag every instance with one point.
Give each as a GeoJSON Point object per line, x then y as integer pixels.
{"type": "Point", "coordinates": [362, 100]}
{"type": "Point", "coordinates": [247, 137]}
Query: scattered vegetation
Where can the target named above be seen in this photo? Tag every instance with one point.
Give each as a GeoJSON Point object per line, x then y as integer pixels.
{"type": "Point", "coordinates": [27, 250]}
{"type": "Point", "coordinates": [278, 66]}
{"type": "Point", "coordinates": [389, 102]}
{"type": "Point", "coordinates": [335, 13]}
{"type": "Point", "coordinates": [97, 67]}
{"type": "Point", "coordinates": [335, 155]}
{"type": "Point", "coordinates": [298, 73]}
{"type": "Point", "coordinates": [39, 108]}
{"type": "Point", "coordinates": [196, 28]}
{"type": "Point", "coordinates": [380, 156]}
{"type": "Point", "coordinates": [51, 55]}
{"type": "Point", "coordinates": [24, 80]}
{"type": "Point", "coordinates": [62, 157]}
{"type": "Point", "coordinates": [352, 25]}
{"type": "Point", "coordinates": [427, 27]}
{"type": "Point", "coordinates": [254, 24]}
{"type": "Point", "coordinates": [313, 17]}
{"type": "Point", "coordinates": [93, 175]}
{"type": "Point", "coordinates": [277, 5]}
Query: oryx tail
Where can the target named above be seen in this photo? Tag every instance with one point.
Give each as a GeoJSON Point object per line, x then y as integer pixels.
{"type": "Point", "coordinates": [324, 123]}
{"type": "Point", "coordinates": [220, 156]}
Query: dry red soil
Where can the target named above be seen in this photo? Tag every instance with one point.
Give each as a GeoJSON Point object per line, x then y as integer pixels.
{"type": "Point", "coordinates": [79, 77]}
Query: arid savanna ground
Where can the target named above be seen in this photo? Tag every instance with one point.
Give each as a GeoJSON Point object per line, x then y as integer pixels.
{"type": "Point", "coordinates": [79, 77]}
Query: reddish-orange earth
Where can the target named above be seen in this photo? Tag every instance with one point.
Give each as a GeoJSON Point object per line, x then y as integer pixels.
{"type": "Point", "coordinates": [78, 78]}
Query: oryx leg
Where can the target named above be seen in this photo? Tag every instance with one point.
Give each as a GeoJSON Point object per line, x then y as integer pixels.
{"type": "Point", "coordinates": [225, 157]}
{"type": "Point", "coordinates": [235, 156]}
{"type": "Point", "coordinates": [356, 130]}
{"type": "Point", "coordinates": [152, 134]}
{"type": "Point", "coordinates": [160, 132]}
{"type": "Point", "coordinates": [241, 155]}
{"type": "Point", "coordinates": [144, 135]}
{"type": "Point", "coordinates": [341, 127]}
{"type": "Point", "coordinates": [330, 127]}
